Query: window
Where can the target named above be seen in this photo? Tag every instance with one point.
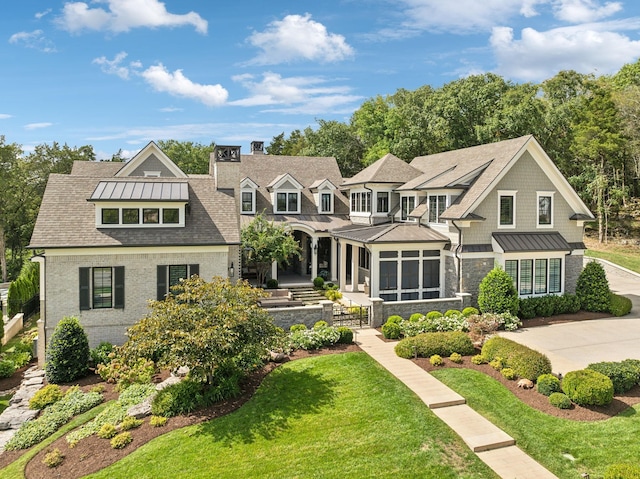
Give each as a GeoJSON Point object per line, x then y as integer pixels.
{"type": "Point", "coordinates": [364, 258]}
{"type": "Point", "coordinates": [555, 275]}
{"type": "Point", "coordinates": [150, 215]}
{"type": "Point", "coordinates": [247, 202]}
{"type": "Point", "coordinates": [388, 275]}
{"type": "Point", "coordinates": [410, 276]}
{"type": "Point", "coordinates": [130, 216]}
{"type": "Point", "coordinates": [526, 276]}
{"type": "Point", "coordinates": [408, 204]}
{"type": "Point", "coordinates": [361, 202]}
{"type": "Point", "coordinates": [511, 268]}
{"type": "Point", "coordinates": [110, 216]}
{"type": "Point", "coordinates": [170, 216]}
{"type": "Point", "coordinates": [325, 202]}
{"type": "Point", "coordinates": [437, 205]}
{"type": "Point", "coordinates": [506, 209]}
{"type": "Point", "coordinates": [169, 276]}
{"type": "Point", "coordinates": [101, 287]}
{"type": "Point", "coordinates": [431, 273]}
{"type": "Point", "coordinates": [382, 205]}
{"type": "Point", "coordinates": [545, 209]}
{"type": "Point", "coordinates": [539, 276]}
{"type": "Point", "coordinates": [287, 202]}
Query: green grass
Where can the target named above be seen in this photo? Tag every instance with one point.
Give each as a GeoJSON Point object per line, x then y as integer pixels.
{"type": "Point", "coordinates": [334, 416]}
{"type": "Point", "coordinates": [625, 256]}
{"type": "Point", "coordinates": [594, 445]}
{"type": "Point", "coordinates": [15, 470]}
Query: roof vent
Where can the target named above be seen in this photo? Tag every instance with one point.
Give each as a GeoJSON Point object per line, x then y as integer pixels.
{"type": "Point", "coordinates": [227, 153]}
{"type": "Point", "coordinates": [257, 147]}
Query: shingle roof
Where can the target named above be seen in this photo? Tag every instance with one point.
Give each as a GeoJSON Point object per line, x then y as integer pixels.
{"type": "Point", "coordinates": [388, 169]}
{"type": "Point", "coordinates": [264, 169]}
{"type": "Point", "coordinates": [390, 233]}
{"type": "Point", "coordinates": [528, 242]}
{"type": "Point", "coordinates": [67, 219]}
{"type": "Point", "coordinates": [318, 223]}
{"type": "Point", "coordinates": [97, 169]}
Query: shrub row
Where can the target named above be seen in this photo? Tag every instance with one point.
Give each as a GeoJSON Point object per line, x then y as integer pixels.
{"type": "Point", "coordinates": [319, 336]}
{"type": "Point", "coordinates": [548, 305]}
{"type": "Point", "coordinates": [441, 343]}
{"type": "Point", "coordinates": [624, 375]}
{"type": "Point", "coordinates": [526, 362]}
{"type": "Point", "coordinates": [53, 417]}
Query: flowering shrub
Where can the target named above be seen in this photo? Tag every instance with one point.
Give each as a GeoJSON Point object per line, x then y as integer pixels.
{"type": "Point", "coordinates": [316, 338]}
{"type": "Point", "coordinates": [436, 360]}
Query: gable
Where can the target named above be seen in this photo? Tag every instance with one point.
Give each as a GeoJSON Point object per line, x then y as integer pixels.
{"type": "Point", "coordinates": [151, 161]}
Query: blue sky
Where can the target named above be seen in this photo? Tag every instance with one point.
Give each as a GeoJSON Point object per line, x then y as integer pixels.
{"type": "Point", "coordinates": [117, 74]}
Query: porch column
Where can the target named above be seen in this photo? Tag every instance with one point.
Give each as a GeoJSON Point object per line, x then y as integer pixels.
{"type": "Point", "coordinates": [354, 268]}
{"type": "Point", "coordinates": [334, 260]}
{"type": "Point", "coordinates": [343, 265]}
{"type": "Point", "coordinates": [274, 270]}
{"type": "Point", "coordinates": [314, 257]}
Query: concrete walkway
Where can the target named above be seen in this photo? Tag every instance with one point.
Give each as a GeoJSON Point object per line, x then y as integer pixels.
{"type": "Point", "coordinates": [492, 445]}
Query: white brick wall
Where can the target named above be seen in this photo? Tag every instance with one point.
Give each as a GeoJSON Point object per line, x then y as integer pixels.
{"type": "Point", "coordinates": [62, 287]}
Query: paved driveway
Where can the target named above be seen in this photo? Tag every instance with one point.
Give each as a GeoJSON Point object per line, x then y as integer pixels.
{"type": "Point", "coordinates": [572, 346]}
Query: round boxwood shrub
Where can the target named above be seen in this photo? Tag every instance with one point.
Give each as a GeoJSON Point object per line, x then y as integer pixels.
{"type": "Point", "coordinates": [415, 317]}
{"type": "Point", "coordinates": [619, 305]}
{"type": "Point", "coordinates": [320, 324]}
{"type": "Point", "coordinates": [433, 315]}
{"type": "Point", "coordinates": [391, 330]}
{"type": "Point", "coordinates": [318, 282]}
{"type": "Point", "coordinates": [623, 471]}
{"type": "Point", "coordinates": [7, 368]}
{"type": "Point", "coordinates": [67, 356]}
{"type": "Point", "coordinates": [508, 373]}
{"type": "Point", "coordinates": [548, 384]}
{"type": "Point", "coordinates": [560, 400]}
{"type": "Point", "coordinates": [346, 335]}
{"type": "Point", "coordinates": [297, 327]}
{"type": "Point", "coordinates": [450, 313]}
{"type": "Point", "coordinates": [394, 319]}
{"type": "Point", "coordinates": [455, 358]}
{"type": "Point", "coordinates": [478, 359]}
{"type": "Point", "coordinates": [592, 288]}
{"type": "Point", "coordinates": [497, 294]}
{"type": "Point", "coordinates": [426, 345]}
{"type": "Point", "coordinates": [272, 283]}
{"type": "Point", "coordinates": [587, 387]}
{"type": "Point", "coordinates": [469, 311]}
{"type": "Point", "coordinates": [623, 375]}
{"type": "Point", "coordinates": [436, 360]}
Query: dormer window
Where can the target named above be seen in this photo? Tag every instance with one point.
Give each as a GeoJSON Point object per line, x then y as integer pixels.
{"type": "Point", "coordinates": [285, 194]}
{"type": "Point", "coordinates": [408, 204]}
{"type": "Point", "coordinates": [248, 196]}
{"type": "Point", "coordinates": [326, 202]}
{"type": "Point", "coordinates": [437, 205]}
{"type": "Point", "coordinates": [323, 191]}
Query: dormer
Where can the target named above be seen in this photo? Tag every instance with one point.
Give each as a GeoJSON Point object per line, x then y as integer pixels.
{"type": "Point", "coordinates": [150, 162]}
{"type": "Point", "coordinates": [248, 189]}
{"type": "Point", "coordinates": [323, 196]}
{"type": "Point", "coordinates": [285, 194]}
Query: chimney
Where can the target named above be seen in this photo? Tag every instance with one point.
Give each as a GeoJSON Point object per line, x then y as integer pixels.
{"type": "Point", "coordinates": [257, 147]}
{"type": "Point", "coordinates": [224, 166]}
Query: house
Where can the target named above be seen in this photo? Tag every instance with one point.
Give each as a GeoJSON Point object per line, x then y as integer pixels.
{"type": "Point", "coordinates": [113, 236]}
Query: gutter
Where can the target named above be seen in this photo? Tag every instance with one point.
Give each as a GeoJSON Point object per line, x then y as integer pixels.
{"type": "Point", "coordinates": [457, 255]}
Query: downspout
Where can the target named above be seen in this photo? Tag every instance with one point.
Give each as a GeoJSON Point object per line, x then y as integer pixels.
{"type": "Point", "coordinates": [457, 255]}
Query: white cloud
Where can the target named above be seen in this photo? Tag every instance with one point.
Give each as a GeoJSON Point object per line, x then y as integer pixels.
{"type": "Point", "coordinates": [115, 67]}
{"type": "Point", "coordinates": [124, 15]}
{"type": "Point", "coordinates": [581, 11]}
{"type": "Point", "coordinates": [308, 95]}
{"type": "Point", "coordinates": [297, 37]}
{"type": "Point", "coordinates": [4, 116]}
{"type": "Point", "coordinates": [34, 39]}
{"type": "Point", "coordinates": [589, 48]}
{"type": "Point", "coordinates": [177, 84]}
{"type": "Point", "coordinates": [39, 15]}
{"type": "Point", "coordinates": [170, 109]}
{"type": "Point", "coordinates": [37, 126]}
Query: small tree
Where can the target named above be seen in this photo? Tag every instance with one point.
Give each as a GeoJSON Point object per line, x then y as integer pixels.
{"type": "Point", "coordinates": [68, 352]}
{"type": "Point", "coordinates": [265, 242]}
{"type": "Point", "coordinates": [497, 294]}
{"type": "Point", "coordinates": [208, 327]}
{"type": "Point", "coordinates": [592, 288]}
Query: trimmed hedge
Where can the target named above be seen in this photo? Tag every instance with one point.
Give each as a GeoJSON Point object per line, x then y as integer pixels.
{"type": "Point", "coordinates": [391, 330]}
{"type": "Point", "coordinates": [526, 362]}
{"type": "Point", "coordinates": [588, 387]}
{"type": "Point", "coordinates": [560, 400]}
{"type": "Point", "coordinates": [548, 305]}
{"type": "Point", "coordinates": [441, 343]}
{"type": "Point", "coordinates": [548, 384]}
{"type": "Point", "coordinates": [619, 305]}
{"type": "Point", "coordinates": [623, 375]}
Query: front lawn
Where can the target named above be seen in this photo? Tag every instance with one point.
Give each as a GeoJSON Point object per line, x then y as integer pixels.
{"type": "Point", "coordinates": [626, 256]}
{"type": "Point", "coordinates": [567, 448]}
{"type": "Point", "coordinates": [332, 416]}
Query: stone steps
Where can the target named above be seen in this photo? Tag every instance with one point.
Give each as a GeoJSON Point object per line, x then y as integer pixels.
{"type": "Point", "coordinates": [306, 294]}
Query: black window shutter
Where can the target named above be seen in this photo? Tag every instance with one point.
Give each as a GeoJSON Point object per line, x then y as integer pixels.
{"type": "Point", "coordinates": [162, 282]}
{"type": "Point", "coordinates": [85, 289]}
{"type": "Point", "coordinates": [194, 269]}
{"type": "Point", "coordinates": [118, 296]}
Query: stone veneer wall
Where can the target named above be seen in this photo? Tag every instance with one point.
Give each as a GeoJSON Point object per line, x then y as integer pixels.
{"type": "Point", "coordinates": [307, 315]}
{"type": "Point", "coordinates": [572, 268]}
{"type": "Point", "coordinates": [381, 310]}
{"type": "Point", "coordinates": [473, 271]}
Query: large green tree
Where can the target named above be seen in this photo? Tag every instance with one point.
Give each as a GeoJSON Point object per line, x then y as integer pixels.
{"type": "Point", "coordinates": [205, 326]}
{"type": "Point", "coordinates": [264, 242]}
{"type": "Point", "coordinates": [192, 158]}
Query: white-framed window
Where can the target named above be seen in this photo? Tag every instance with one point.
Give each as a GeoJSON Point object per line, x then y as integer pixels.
{"type": "Point", "coordinates": [535, 276]}
{"type": "Point", "coordinates": [437, 205]}
{"type": "Point", "coordinates": [407, 205]}
{"type": "Point", "coordinates": [545, 209]}
{"type": "Point", "coordinates": [507, 209]}
{"type": "Point", "coordinates": [409, 275]}
{"type": "Point", "coordinates": [247, 201]}
{"type": "Point", "coordinates": [382, 202]}
{"type": "Point", "coordinates": [101, 287]}
{"type": "Point", "coordinates": [287, 202]}
{"type": "Point", "coordinates": [361, 202]}
{"type": "Point", "coordinates": [326, 202]}
{"type": "Point", "coordinates": [140, 216]}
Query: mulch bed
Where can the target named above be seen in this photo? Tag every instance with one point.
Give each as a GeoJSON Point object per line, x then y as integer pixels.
{"type": "Point", "coordinates": [92, 454]}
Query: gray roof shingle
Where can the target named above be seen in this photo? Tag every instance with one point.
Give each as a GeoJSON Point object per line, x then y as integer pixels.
{"type": "Point", "coordinates": [388, 169]}
{"type": "Point", "coordinates": [390, 233]}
